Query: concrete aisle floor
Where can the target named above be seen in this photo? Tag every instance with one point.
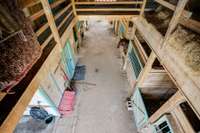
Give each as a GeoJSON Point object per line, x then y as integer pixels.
{"type": "Point", "coordinates": [100, 108]}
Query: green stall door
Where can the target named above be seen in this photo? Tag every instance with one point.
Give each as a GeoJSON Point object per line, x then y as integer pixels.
{"type": "Point", "coordinates": [68, 60]}
{"type": "Point", "coordinates": [134, 59]}
{"type": "Point", "coordinates": [139, 109]}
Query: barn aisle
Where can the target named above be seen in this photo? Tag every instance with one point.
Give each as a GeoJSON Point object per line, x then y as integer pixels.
{"type": "Point", "coordinates": [100, 108]}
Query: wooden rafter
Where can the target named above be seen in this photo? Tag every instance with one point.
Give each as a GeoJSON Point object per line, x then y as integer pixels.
{"type": "Point", "coordinates": [102, 3]}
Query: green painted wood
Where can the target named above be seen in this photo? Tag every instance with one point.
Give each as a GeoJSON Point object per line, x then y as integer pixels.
{"type": "Point", "coordinates": [139, 109]}
{"type": "Point", "coordinates": [121, 31]}
{"type": "Point", "coordinates": [134, 59]}
{"type": "Point", "coordinates": [68, 60]}
{"type": "Point", "coordinates": [78, 25]}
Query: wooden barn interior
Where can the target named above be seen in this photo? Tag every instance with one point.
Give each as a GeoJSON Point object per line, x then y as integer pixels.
{"type": "Point", "coordinates": [99, 66]}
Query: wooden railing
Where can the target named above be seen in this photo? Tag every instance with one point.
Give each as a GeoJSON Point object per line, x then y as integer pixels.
{"type": "Point", "coordinates": [49, 22]}
{"type": "Point", "coordinates": [186, 81]}
{"type": "Point", "coordinates": [109, 7]}
{"type": "Point", "coordinates": [62, 12]}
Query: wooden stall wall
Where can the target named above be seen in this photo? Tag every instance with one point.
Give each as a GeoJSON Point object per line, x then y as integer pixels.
{"type": "Point", "coordinates": [166, 40]}
{"type": "Point", "coordinates": [134, 65]}
{"type": "Point", "coordinates": [156, 79]}
{"type": "Point", "coordinates": [51, 39]}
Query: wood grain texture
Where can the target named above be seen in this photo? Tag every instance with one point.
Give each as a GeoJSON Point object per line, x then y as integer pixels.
{"type": "Point", "coordinates": [182, 119]}
{"type": "Point", "coordinates": [167, 107]}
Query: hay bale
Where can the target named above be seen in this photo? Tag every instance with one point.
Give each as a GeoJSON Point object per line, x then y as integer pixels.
{"type": "Point", "coordinates": [159, 18]}
{"type": "Point", "coordinates": [187, 44]}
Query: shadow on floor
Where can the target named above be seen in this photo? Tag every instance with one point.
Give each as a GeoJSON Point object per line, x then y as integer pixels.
{"type": "Point", "coordinates": [29, 125]}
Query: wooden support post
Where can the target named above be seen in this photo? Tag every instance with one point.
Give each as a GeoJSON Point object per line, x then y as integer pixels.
{"type": "Point", "coordinates": [74, 7]}
{"type": "Point", "coordinates": [126, 57]}
{"type": "Point", "coordinates": [51, 22]}
{"type": "Point", "coordinates": [116, 26]}
{"type": "Point", "coordinates": [144, 72]}
{"type": "Point", "coordinates": [143, 7]}
{"type": "Point", "coordinates": [144, 55]}
{"type": "Point", "coordinates": [182, 119]}
{"type": "Point", "coordinates": [175, 100]}
{"type": "Point", "coordinates": [175, 20]}
{"type": "Point", "coordinates": [185, 14]}
{"type": "Point", "coordinates": [147, 69]}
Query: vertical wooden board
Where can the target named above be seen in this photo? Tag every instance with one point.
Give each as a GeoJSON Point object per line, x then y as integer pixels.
{"type": "Point", "coordinates": [143, 7]}
{"type": "Point", "coordinates": [52, 90]}
{"type": "Point", "coordinates": [147, 68]}
{"type": "Point", "coordinates": [74, 8]}
{"type": "Point", "coordinates": [179, 114]}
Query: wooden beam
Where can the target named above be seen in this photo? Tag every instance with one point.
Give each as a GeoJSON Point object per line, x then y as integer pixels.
{"type": "Point", "coordinates": [191, 24]}
{"type": "Point", "coordinates": [109, 9]}
{"type": "Point", "coordinates": [51, 22]}
{"type": "Point", "coordinates": [59, 26]}
{"type": "Point", "coordinates": [167, 107]}
{"type": "Point", "coordinates": [175, 19]}
{"type": "Point", "coordinates": [182, 119]}
{"type": "Point", "coordinates": [28, 3]}
{"type": "Point", "coordinates": [116, 25]}
{"type": "Point", "coordinates": [37, 15]}
{"type": "Point", "coordinates": [140, 48]}
{"type": "Point", "coordinates": [62, 11]}
{"type": "Point", "coordinates": [44, 44]}
{"type": "Point", "coordinates": [107, 17]}
{"type": "Point", "coordinates": [74, 7]}
{"type": "Point", "coordinates": [42, 29]}
{"type": "Point", "coordinates": [56, 3]}
{"type": "Point", "coordinates": [148, 66]}
{"type": "Point", "coordinates": [143, 7]}
{"type": "Point", "coordinates": [185, 13]}
{"type": "Point", "coordinates": [68, 31]}
{"type": "Point", "coordinates": [109, 3]}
